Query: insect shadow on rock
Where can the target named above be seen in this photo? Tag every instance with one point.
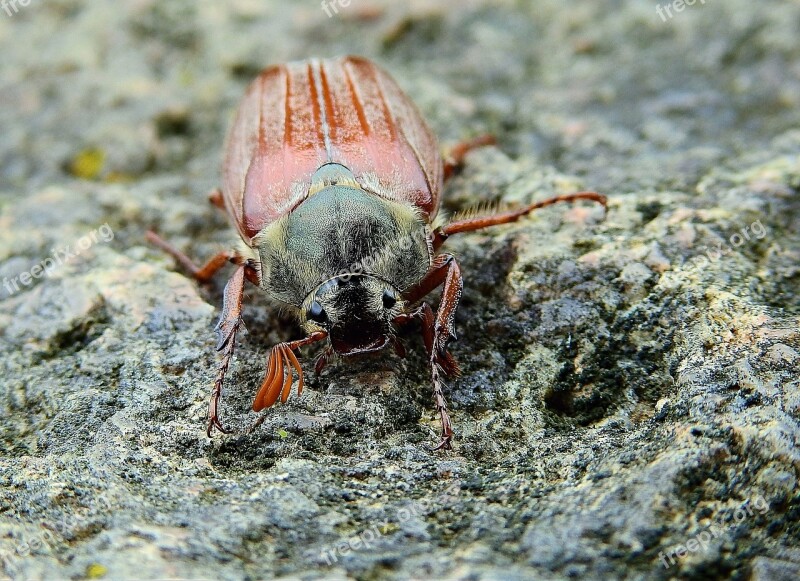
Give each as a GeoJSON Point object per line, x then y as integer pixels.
{"type": "Point", "coordinates": [333, 181]}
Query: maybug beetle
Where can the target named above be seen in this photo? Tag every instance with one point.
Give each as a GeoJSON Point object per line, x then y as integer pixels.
{"type": "Point", "coordinates": [333, 181]}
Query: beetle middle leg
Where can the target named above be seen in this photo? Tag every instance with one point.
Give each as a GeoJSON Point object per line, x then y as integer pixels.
{"type": "Point", "coordinates": [437, 330]}
{"type": "Point", "coordinates": [201, 273]}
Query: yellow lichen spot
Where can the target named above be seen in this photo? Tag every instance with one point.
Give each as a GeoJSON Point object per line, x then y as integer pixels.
{"type": "Point", "coordinates": [389, 528]}
{"type": "Point", "coordinates": [283, 434]}
{"type": "Point", "coordinates": [87, 164]}
{"type": "Point", "coordinates": [96, 571]}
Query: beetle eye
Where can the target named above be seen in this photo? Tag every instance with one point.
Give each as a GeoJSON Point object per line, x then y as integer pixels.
{"type": "Point", "coordinates": [316, 313]}
{"type": "Point", "coordinates": [389, 298]}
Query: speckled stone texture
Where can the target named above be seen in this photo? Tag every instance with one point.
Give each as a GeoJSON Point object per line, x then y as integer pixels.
{"type": "Point", "coordinates": [629, 403]}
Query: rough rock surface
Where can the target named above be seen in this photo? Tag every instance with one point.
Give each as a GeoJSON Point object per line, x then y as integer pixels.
{"type": "Point", "coordinates": [629, 403]}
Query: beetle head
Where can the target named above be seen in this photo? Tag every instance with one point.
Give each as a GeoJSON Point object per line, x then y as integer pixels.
{"type": "Point", "coordinates": [355, 310]}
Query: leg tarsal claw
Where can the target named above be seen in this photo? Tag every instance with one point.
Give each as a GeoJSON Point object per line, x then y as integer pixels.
{"type": "Point", "coordinates": [441, 407]}
{"type": "Point", "coordinates": [215, 423]}
{"type": "Point", "coordinates": [444, 444]}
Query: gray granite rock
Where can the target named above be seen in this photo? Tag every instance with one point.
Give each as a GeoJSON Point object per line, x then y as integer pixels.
{"type": "Point", "coordinates": [629, 403]}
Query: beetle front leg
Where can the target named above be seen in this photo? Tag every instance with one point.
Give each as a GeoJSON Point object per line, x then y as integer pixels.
{"type": "Point", "coordinates": [444, 270]}
{"type": "Point", "coordinates": [322, 360]}
{"type": "Point", "coordinates": [226, 329]}
{"type": "Point", "coordinates": [437, 330]}
{"type": "Point", "coordinates": [428, 322]}
{"type": "Point", "coordinates": [428, 337]}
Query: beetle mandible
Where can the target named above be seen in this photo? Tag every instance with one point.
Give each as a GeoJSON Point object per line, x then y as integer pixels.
{"type": "Point", "coordinates": [333, 181]}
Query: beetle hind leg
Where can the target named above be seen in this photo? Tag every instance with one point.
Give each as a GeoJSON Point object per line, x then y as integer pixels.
{"type": "Point", "coordinates": [479, 222]}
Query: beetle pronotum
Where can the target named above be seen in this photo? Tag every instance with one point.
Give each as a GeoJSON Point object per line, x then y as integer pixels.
{"type": "Point", "coordinates": [328, 165]}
